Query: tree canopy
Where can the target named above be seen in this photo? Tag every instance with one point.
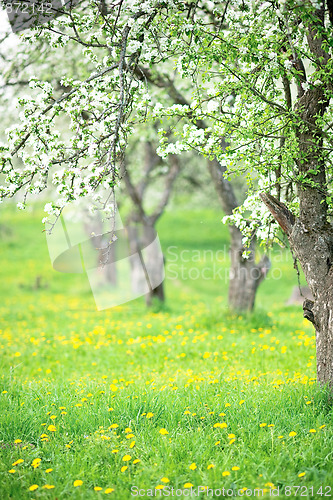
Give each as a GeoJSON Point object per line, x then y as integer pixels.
{"type": "Point", "coordinates": [245, 67]}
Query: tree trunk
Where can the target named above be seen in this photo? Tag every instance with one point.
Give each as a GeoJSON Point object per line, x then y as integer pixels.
{"type": "Point", "coordinates": [314, 249]}
{"type": "Point", "coordinates": [245, 275]}
{"type": "Point", "coordinates": [147, 263]}
{"type": "Point", "coordinates": [322, 318]}
{"type": "Point", "coordinates": [312, 243]}
{"type": "Point", "coordinates": [311, 234]}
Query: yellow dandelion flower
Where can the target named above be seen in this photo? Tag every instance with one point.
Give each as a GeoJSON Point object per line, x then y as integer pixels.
{"type": "Point", "coordinates": [165, 480]}
{"type": "Point", "coordinates": [53, 417]}
{"type": "Point", "coordinates": [222, 414]}
{"type": "Point", "coordinates": [113, 426]}
{"type": "Point", "coordinates": [149, 414]}
{"type": "Point", "coordinates": [19, 461]}
{"type": "Point", "coordinates": [97, 488]}
{"type": "Point", "coordinates": [231, 436]}
{"type": "Point", "coordinates": [210, 466]}
{"type": "Point", "coordinates": [36, 463]}
{"type": "Point", "coordinates": [188, 485]}
{"type": "Point", "coordinates": [263, 424]}
{"type": "Point", "coordinates": [132, 444]}
{"type": "Point", "coordinates": [235, 468]}
{"type": "Point", "coordinates": [159, 487]}
{"type": "Point", "coordinates": [48, 471]}
{"type": "Point", "coordinates": [292, 433]}
{"type": "Point", "coordinates": [126, 458]}
{"type": "Point", "coordinates": [163, 431]}
{"type": "Point", "coordinates": [220, 425]}
{"type": "Point", "coordinates": [232, 441]}
{"type": "Point", "coordinates": [193, 466]}
{"type": "Point", "coordinates": [52, 428]}
{"type": "Point", "coordinates": [242, 401]}
{"type": "Point", "coordinates": [312, 430]}
{"type": "Point", "coordinates": [33, 487]}
{"type": "Point", "coordinates": [77, 482]}
{"type": "Point", "coordinates": [48, 486]}
{"type": "Point", "coordinates": [12, 471]}
{"type": "Point", "coordinates": [322, 426]}
{"type": "Point", "coordinates": [271, 425]}
{"type": "Point", "coordinates": [217, 442]}
{"type": "Point", "coordinates": [130, 436]}
{"type": "Point", "coordinates": [136, 461]}
{"type": "Point", "coordinates": [109, 490]}
{"type": "Point", "coordinates": [280, 437]}
{"type": "Point", "coordinates": [225, 473]}
{"type": "Point", "coordinates": [114, 451]}
{"type": "Point", "coordinates": [227, 404]}
{"type": "Point", "coordinates": [187, 412]}
{"type": "Point", "coordinates": [127, 430]}
{"type": "Point", "coordinates": [17, 441]}
{"type": "Point", "coordinates": [302, 474]}
{"type": "Point", "coordinates": [124, 467]}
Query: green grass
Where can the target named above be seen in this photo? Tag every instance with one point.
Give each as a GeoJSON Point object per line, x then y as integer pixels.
{"type": "Point", "coordinates": [190, 363]}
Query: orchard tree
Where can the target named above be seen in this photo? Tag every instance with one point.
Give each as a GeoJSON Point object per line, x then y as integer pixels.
{"type": "Point", "coordinates": [163, 85]}
{"type": "Point", "coordinates": [262, 75]}
{"type": "Point", "coordinates": [142, 218]}
{"type": "Point", "coordinates": [280, 131]}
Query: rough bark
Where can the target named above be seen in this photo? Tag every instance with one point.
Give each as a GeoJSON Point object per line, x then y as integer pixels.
{"type": "Point", "coordinates": [314, 249]}
{"type": "Point", "coordinates": [313, 246]}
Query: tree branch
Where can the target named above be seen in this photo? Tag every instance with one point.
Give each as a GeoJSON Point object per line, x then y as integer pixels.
{"type": "Point", "coordinates": [280, 212]}
{"type": "Point", "coordinates": [223, 187]}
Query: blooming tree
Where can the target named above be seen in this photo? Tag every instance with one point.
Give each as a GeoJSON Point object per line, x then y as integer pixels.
{"type": "Point", "coordinates": [261, 76]}
{"type": "Point", "coordinates": [164, 90]}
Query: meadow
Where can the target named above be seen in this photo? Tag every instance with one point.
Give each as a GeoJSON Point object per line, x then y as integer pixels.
{"type": "Point", "coordinates": [184, 395]}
